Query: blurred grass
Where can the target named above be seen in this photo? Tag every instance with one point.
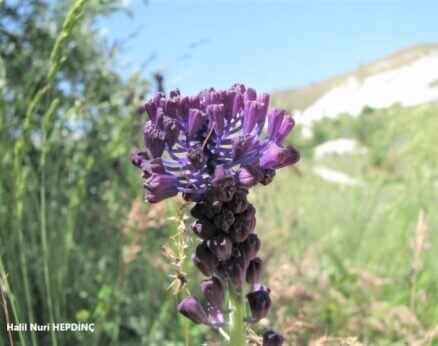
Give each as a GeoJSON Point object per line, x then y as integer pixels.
{"type": "Point", "coordinates": [78, 244]}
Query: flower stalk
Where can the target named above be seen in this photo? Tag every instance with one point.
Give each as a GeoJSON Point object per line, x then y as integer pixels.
{"type": "Point", "coordinates": [237, 319]}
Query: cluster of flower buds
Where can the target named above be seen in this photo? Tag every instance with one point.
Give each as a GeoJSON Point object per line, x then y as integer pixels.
{"type": "Point", "coordinates": [212, 148]}
{"type": "Point", "coordinates": [188, 137]}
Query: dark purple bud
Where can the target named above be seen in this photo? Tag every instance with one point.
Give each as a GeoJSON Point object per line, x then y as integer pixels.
{"type": "Point", "coordinates": [152, 166]}
{"type": "Point", "coordinates": [268, 176]}
{"type": "Point", "coordinates": [192, 309]}
{"type": "Point", "coordinates": [253, 271]}
{"type": "Point", "coordinates": [213, 291]}
{"type": "Point", "coordinates": [216, 113]}
{"type": "Point", "coordinates": [160, 186]}
{"type": "Point", "coordinates": [249, 248]}
{"type": "Point", "coordinates": [204, 229]}
{"type": "Point", "coordinates": [235, 268]}
{"type": "Point", "coordinates": [249, 116]}
{"type": "Point", "coordinates": [151, 109]}
{"type": "Point", "coordinates": [221, 270]}
{"type": "Point", "coordinates": [196, 157]}
{"type": "Point", "coordinates": [240, 230]}
{"type": "Point", "coordinates": [249, 213]}
{"type": "Point", "coordinates": [205, 260]}
{"type": "Point", "coordinates": [239, 203]}
{"type": "Point", "coordinates": [154, 139]}
{"type": "Point", "coordinates": [275, 118]}
{"type": "Point", "coordinates": [172, 129]}
{"type": "Point", "coordinates": [259, 304]}
{"type": "Point", "coordinates": [206, 209]}
{"type": "Point", "coordinates": [196, 121]}
{"type": "Point", "coordinates": [221, 246]}
{"type": "Point", "coordinates": [286, 127]}
{"type": "Point", "coordinates": [138, 157]}
{"type": "Point", "coordinates": [224, 219]}
{"type": "Point", "coordinates": [271, 338]}
{"type": "Point", "coordinates": [174, 93]}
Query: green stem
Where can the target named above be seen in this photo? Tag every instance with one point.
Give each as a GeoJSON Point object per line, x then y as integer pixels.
{"type": "Point", "coordinates": [237, 318]}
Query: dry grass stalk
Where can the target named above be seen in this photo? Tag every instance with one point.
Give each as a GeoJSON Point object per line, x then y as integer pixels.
{"type": "Point", "coordinates": [419, 244]}
{"type": "Point", "coordinates": [176, 254]}
{"type": "Point", "coordinates": [333, 341]}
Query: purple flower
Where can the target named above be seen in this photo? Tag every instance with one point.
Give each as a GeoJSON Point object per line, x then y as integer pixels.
{"type": "Point", "coordinates": [272, 338]}
{"type": "Point", "coordinates": [212, 148]}
{"type": "Point", "coordinates": [213, 141]}
{"type": "Point", "coordinates": [259, 304]}
{"type": "Point", "coordinates": [192, 309]}
{"type": "Point", "coordinates": [253, 271]}
{"type": "Point", "coordinates": [213, 291]}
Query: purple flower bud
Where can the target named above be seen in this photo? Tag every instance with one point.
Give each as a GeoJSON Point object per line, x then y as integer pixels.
{"type": "Point", "coordinates": [196, 157]}
{"type": "Point", "coordinates": [171, 129]}
{"type": "Point", "coordinates": [276, 157]}
{"type": "Point", "coordinates": [196, 121]}
{"type": "Point", "coordinates": [240, 230]}
{"type": "Point", "coordinates": [286, 127]}
{"type": "Point", "coordinates": [151, 109]}
{"type": "Point", "coordinates": [224, 219]}
{"type": "Point", "coordinates": [213, 291]}
{"type": "Point", "coordinates": [249, 116]}
{"type": "Point", "coordinates": [250, 95]}
{"type": "Point", "coordinates": [259, 304]}
{"type": "Point", "coordinates": [220, 246]}
{"type": "Point", "coordinates": [263, 102]}
{"type": "Point", "coordinates": [154, 138]}
{"type": "Point", "coordinates": [204, 229]}
{"type": "Point", "coordinates": [239, 203]}
{"type": "Point", "coordinates": [205, 260]}
{"type": "Point", "coordinates": [275, 118]}
{"type": "Point", "coordinates": [192, 309]}
{"type": "Point", "coordinates": [271, 338]}
{"type": "Point", "coordinates": [160, 186]}
{"type": "Point", "coordinates": [152, 166]}
{"type": "Point", "coordinates": [235, 269]}
{"type": "Point", "coordinates": [249, 248]}
{"type": "Point", "coordinates": [216, 113]}
{"type": "Point", "coordinates": [206, 209]}
{"type": "Point", "coordinates": [237, 104]}
{"type": "Point", "coordinates": [253, 271]}
{"type": "Point", "coordinates": [268, 176]}
{"type": "Point", "coordinates": [138, 157]}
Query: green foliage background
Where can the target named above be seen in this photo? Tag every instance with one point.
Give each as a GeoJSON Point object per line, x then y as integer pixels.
{"type": "Point", "coordinates": [68, 121]}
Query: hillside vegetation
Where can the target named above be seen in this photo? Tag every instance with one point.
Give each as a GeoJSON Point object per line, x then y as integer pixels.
{"type": "Point", "coordinates": [302, 97]}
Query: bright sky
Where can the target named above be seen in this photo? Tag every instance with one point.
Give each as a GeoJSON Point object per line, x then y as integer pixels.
{"type": "Point", "coordinates": [265, 44]}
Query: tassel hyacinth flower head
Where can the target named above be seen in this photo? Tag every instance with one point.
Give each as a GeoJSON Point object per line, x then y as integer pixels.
{"type": "Point", "coordinates": [212, 148]}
